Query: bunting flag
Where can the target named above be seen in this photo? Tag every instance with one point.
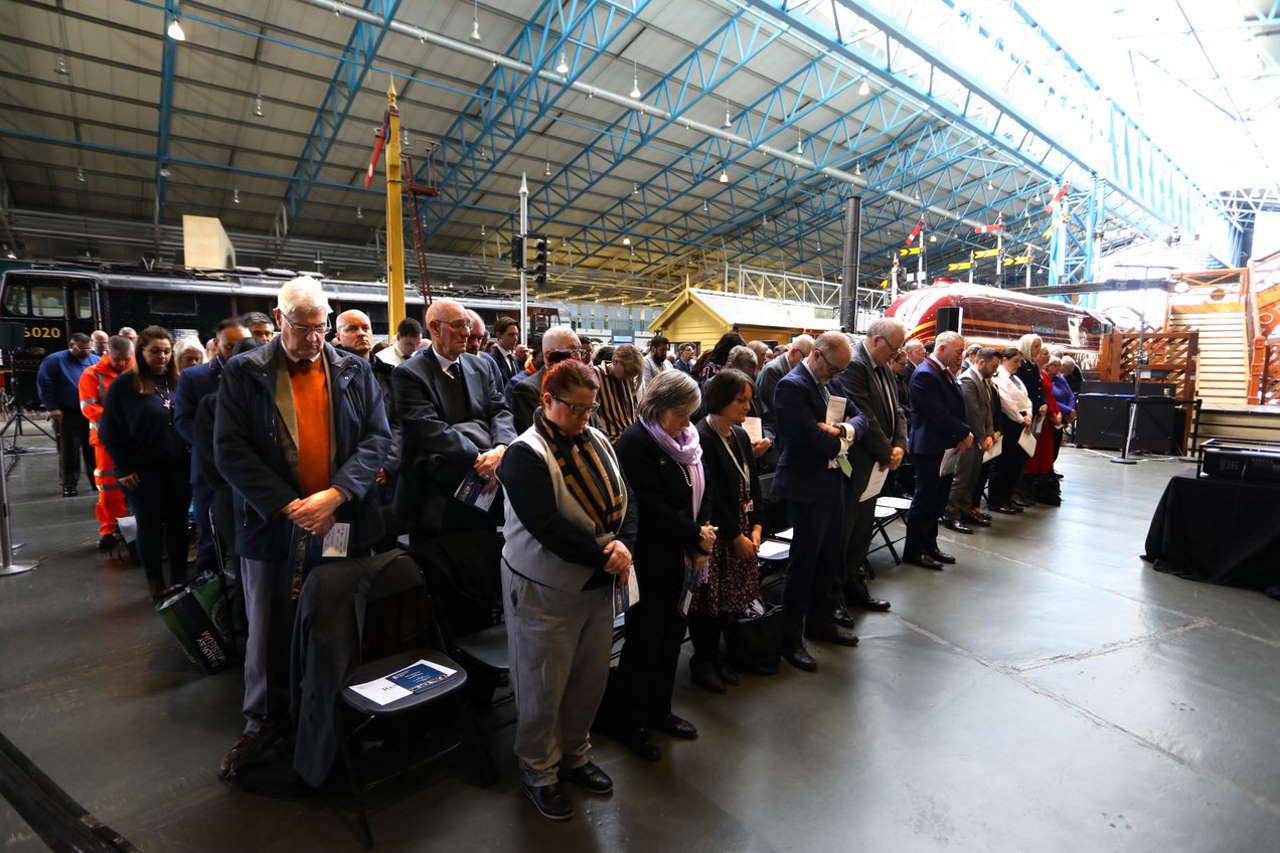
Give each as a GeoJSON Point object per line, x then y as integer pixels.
{"type": "Point", "coordinates": [1058, 196]}
{"type": "Point", "coordinates": [915, 232]}
{"type": "Point", "coordinates": [988, 229]}
{"type": "Point", "coordinates": [964, 265]}
{"type": "Point", "coordinates": [986, 253]}
{"type": "Point", "coordinates": [914, 250]}
{"type": "Point", "coordinates": [1017, 260]}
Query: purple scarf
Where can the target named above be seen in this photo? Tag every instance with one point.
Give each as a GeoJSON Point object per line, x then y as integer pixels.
{"type": "Point", "coordinates": [687, 450]}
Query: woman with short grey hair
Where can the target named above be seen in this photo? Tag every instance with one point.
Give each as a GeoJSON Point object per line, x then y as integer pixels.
{"type": "Point", "coordinates": [661, 458]}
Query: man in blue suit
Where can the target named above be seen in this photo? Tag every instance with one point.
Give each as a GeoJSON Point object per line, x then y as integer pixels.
{"type": "Point", "coordinates": [810, 478]}
{"type": "Point", "coordinates": [937, 425]}
{"type": "Point", "coordinates": [194, 385]}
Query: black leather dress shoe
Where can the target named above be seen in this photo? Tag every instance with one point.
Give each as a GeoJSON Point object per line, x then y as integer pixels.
{"type": "Point", "coordinates": [588, 776]}
{"type": "Point", "coordinates": [640, 741]}
{"type": "Point", "coordinates": [924, 561]}
{"type": "Point", "coordinates": [704, 674]}
{"type": "Point", "coordinates": [678, 727]}
{"type": "Point", "coordinates": [69, 492]}
{"type": "Point", "coordinates": [798, 656]}
{"type": "Point", "coordinates": [942, 557]}
{"type": "Point", "coordinates": [980, 519]}
{"type": "Point", "coordinates": [728, 673]}
{"type": "Point", "coordinates": [833, 634]}
{"type": "Point", "coordinates": [549, 800]}
{"type": "Point", "coordinates": [879, 605]}
{"type": "Point", "coordinates": [249, 748]}
{"type": "Point", "coordinates": [956, 525]}
{"type": "Point", "coordinates": [1007, 509]}
{"type": "Point", "coordinates": [842, 618]}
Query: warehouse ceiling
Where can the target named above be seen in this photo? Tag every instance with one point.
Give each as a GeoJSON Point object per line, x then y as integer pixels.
{"type": "Point", "coordinates": [663, 142]}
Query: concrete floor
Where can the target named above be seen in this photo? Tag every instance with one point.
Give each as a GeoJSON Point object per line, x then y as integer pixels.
{"type": "Point", "coordinates": [1050, 692]}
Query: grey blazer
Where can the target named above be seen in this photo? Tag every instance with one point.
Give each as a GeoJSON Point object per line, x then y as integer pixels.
{"type": "Point", "coordinates": [886, 422]}
{"type": "Point", "coordinates": [977, 404]}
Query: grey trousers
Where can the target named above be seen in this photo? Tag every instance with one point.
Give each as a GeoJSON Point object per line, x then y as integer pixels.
{"type": "Point", "coordinates": [968, 469]}
{"type": "Point", "coordinates": [269, 614]}
{"type": "Point", "coordinates": [559, 645]}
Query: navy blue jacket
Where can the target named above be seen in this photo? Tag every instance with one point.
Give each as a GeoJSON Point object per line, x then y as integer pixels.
{"type": "Point", "coordinates": [255, 453]}
{"type": "Point", "coordinates": [194, 384]}
{"type": "Point", "coordinates": [937, 411]}
{"type": "Point", "coordinates": [802, 475]}
{"type": "Point", "coordinates": [58, 380]}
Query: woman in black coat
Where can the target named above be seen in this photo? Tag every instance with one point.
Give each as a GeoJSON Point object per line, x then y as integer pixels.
{"type": "Point", "coordinates": [732, 581]}
{"type": "Point", "coordinates": [152, 461]}
{"type": "Point", "coordinates": [662, 461]}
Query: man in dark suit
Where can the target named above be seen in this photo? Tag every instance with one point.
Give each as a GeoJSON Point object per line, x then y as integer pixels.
{"type": "Point", "coordinates": [869, 385]}
{"type": "Point", "coordinates": [558, 343]}
{"type": "Point", "coordinates": [771, 374]}
{"type": "Point", "coordinates": [194, 385]}
{"type": "Point", "coordinates": [453, 422]}
{"type": "Point", "coordinates": [810, 479]}
{"type": "Point", "coordinates": [937, 425]}
{"type": "Point", "coordinates": [507, 333]}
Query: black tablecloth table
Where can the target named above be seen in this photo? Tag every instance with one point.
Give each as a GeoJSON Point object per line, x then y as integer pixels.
{"type": "Point", "coordinates": [1218, 531]}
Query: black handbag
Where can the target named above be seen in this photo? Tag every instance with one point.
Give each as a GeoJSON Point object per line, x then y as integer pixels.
{"type": "Point", "coordinates": [755, 641]}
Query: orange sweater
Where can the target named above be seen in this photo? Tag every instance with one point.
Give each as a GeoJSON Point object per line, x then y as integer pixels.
{"type": "Point", "coordinates": [311, 403]}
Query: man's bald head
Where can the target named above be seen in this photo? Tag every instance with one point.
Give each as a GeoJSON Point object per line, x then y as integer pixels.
{"type": "Point", "coordinates": [449, 326]}
{"type": "Point", "coordinates": [355, 332]}
{"type": "Point", "coordinates": [831, 354]}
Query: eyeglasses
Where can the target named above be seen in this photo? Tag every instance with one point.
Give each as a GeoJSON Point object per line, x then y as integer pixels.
{"type": "Point", "coordinates": [822, 355]}
{"type": "Point", "coordinates": [577, 408]}
{"type": "Point", "coordinates": [459, 325]}
{"type": "Point", "coordinates": [308, 331]}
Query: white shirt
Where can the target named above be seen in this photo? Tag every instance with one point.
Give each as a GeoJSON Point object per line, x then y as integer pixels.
{"type": "Point", "coordinates": [445, 363]}
{"type": "Point", "coordinates": [1014, 400]}
{"type": "Point", "coordinates": [392, 355]}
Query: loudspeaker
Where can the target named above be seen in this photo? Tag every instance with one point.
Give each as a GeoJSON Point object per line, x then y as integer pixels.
{"type": "Point", "coordinates": [949, 318]}
{"type": "Point", "coordinates": [10, 334]}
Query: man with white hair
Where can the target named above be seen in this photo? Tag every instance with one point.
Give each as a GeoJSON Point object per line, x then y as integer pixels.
{"type": "Point", "coordinates": [810, 478]}
{"type": "Point", "coordinates": [938, 425]}
{"type": "Point", "coordinates": [780, 366]}
{"type": "Point", "coordinates": [558, 344]}
{"type": "Point", "coordinates": [299, 435]}
{"type": "Point", "coordinates": [454, 422]}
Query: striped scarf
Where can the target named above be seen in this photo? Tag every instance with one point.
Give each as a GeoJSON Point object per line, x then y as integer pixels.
{"type": "Point", "coordinates": [594, 483]}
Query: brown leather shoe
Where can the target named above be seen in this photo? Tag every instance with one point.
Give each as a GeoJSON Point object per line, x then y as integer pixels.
{"type": "Point", "coordinates": [248, 748]}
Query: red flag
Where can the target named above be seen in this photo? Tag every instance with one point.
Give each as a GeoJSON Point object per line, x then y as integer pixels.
{"type": "Point", "coordinates": [988, 229]}
{"type": "Point", "coordinates": [379, 141]}
{"type": "Point", "coordinates": [915, 232]}
{"type": "Point", "coordinates": [1058, 196]}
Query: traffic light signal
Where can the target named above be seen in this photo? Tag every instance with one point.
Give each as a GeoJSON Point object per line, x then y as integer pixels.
{"type": "Point", "coordinates": [517, 252]}
{"type": "Point", "coordinates": [540, 246]}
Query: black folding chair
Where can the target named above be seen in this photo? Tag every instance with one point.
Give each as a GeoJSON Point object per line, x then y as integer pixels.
{"type": "Point", "coordinates": [888, 510]}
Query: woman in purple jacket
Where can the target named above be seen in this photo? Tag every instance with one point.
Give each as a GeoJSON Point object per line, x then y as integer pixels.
{"type": "Point", "coordinates": [1066, 401]}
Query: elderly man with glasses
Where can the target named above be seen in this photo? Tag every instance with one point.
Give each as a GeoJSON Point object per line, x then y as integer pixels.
{"type": "Point", "coordinates": [299, 435]}
{"type": "Point", "coordinates": [454, 422]}
{"type": "Point", "coordinates": [558, 344]}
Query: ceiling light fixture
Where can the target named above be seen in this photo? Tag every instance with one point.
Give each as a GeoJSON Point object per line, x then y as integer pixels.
{"type": "Point", "coordinates": [359, 213]}
{"type": "Point", "coordinates": [10, 254]}
{"type": "Point", "coordinates": [546, 170]}
{"type": "Point", "coordinates": [404, 138]}
{"type": "Point", "coordinates": [80, 174]}
{"type": "Point", "coordinates": [626, 241]}
{"type": "Point", "coordinates": [799, 143]}
{"type": "Point", "coordinates": [864, 89]}
{"type": "Point", "coordinates": [728, 119]}
{"type": "Point", "coordinates": [164, 171]}
{"type": "Point", "coordinates": [857, 169]}
{"type": "Point", "coordinates": [257, 105]}
{"type": "Point", "coordinates": [475, 21]}
{"type": "Point", "coordinates": [635, 188]}
{"type": "Point", "coordinates": [175, 30]}
{"type": "Point", "coordinates": [235, 195]}
{"type": "Point", "coordinates": [933, 238]}
{"type": "Point", "coordinates": [563, 68]}
{"type": "Point", "coordinates": [724, 176]}
{"type": "Point", "coordinates": [635, 81]}
{"type": "Point", "coordinates": [61, 66]}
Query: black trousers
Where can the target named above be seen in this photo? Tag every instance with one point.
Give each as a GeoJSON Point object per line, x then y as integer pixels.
{"type": "Point", "coordinates": [927, 505]}
{"type": "Point", "coordinates": [984, 475]}
{"type": "Point", "coordinates": [817, 553]}
{"type": "Point", "coordinates": [639, 696]}
{"type": "Point", "coordinates": [160, 505]}
{"type": "Point", "coordinates": [858, 530]}
{"type": "Point", "coordinates": [1006, 469]}
{"type": "Point", "coordinates": [73, 445]}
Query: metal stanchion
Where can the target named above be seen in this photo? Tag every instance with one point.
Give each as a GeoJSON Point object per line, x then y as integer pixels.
{"type": "Point", "coordinates": [7, 565]}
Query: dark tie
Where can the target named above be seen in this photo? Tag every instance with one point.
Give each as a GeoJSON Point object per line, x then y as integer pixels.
{"type": "Point", "coordinates": [453, 371]}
